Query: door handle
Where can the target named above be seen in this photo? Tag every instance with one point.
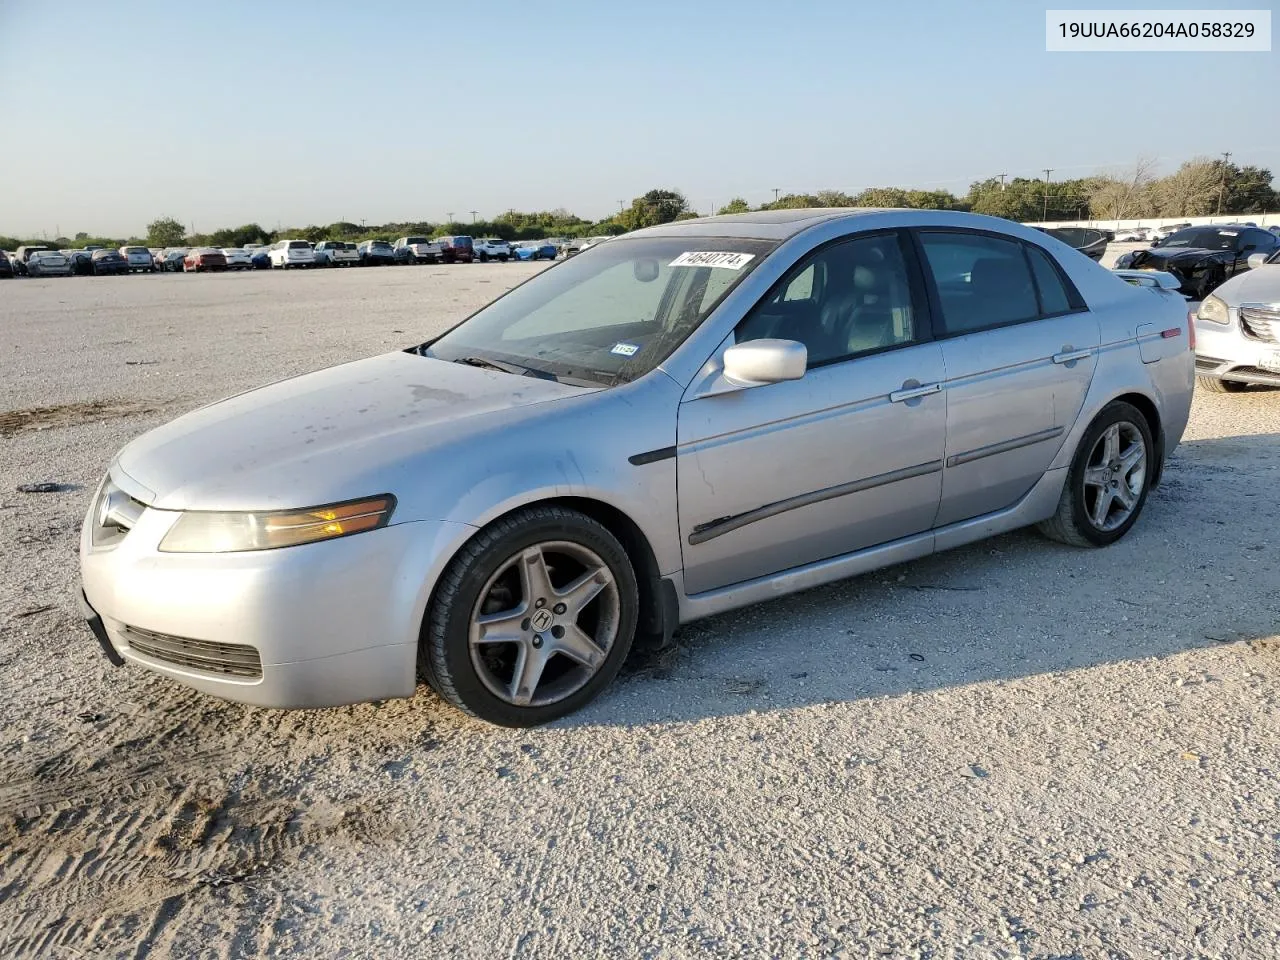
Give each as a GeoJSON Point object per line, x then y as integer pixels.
{"type": "Point", "coordinates": [911, 390]}
{"type": "Point", "coordinates": [1067, 356]}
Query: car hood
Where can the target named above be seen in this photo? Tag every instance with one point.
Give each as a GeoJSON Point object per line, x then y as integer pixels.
{"type": "Point", "coordinates": [1259, 285]}
{"type": "Point", "coordinates": [340, 433]}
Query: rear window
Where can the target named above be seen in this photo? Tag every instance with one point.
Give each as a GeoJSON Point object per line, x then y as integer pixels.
{"type": "Point", "coordinates": [982, 281]}
{"type": "Point", "coordinates": [412, 240]}
{"type": "Point", "coordinates": [299, 245]}
{"type": "Point", "coordinates": [462, 241]}
{"type": "Point", "coordinates": [137, 250]}
{"type": "Point", "coordinates": [1053, 295]}
{"type": "Point", "coordinates": [379, 245]}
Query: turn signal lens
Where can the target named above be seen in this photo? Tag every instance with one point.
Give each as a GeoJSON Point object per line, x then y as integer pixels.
{"type": "Point", "coordinates": [199, 532]}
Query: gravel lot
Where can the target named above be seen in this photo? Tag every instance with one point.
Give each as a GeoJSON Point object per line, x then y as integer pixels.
{"type": "Point", "coordinates": [1015, 749]}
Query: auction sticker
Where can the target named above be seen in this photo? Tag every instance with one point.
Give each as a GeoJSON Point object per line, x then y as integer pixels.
{"type": "Point", "coordinates": [625, 349]}
{"type": "Point", "coordinates": [728, 261]}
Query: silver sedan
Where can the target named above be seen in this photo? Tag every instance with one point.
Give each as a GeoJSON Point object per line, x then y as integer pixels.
{"type": "Point", "coordinates": [669, 425]}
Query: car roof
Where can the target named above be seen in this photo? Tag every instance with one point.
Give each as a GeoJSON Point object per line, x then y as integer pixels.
{"type": "Point", "coordinates": [783, 224]}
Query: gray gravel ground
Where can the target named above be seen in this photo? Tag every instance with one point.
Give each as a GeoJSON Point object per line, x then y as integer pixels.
{"type": "Point", "coordinates": [1014, 749]}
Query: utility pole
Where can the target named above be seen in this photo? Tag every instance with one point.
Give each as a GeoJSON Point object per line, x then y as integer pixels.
{"type": "Point", "coordinates": [473, 216]}
{"type": "Point", "coordinates": [450, 216]}
{"type": "Point", "coordinates": [1226, 158]}
{"type": "Point", "coordinates": [622, 205]}
{"type": "Point", "coordinates": [776, 191]}
{"type": "Point", "coordinates": [1044, 216]}
{"type": "Point", "coordinates": [1002, 176]}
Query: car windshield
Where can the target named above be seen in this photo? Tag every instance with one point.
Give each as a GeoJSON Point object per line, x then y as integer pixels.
{"type": "Point", "coordinates": [462, 241]}
{"type": "Point", "coordinates": [1203, 239]}
{"type": "Point", "coordinates": [608, 316]}
{"type": "Point", "coordinates": [380, 245]}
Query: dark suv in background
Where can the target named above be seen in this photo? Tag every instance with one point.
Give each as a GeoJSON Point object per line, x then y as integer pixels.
{"type": "Point", "coordinates": [456, 250]}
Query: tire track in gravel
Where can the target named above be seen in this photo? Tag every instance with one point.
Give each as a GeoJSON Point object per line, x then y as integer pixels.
{"type": "Point", "coordinates": [107, 850]}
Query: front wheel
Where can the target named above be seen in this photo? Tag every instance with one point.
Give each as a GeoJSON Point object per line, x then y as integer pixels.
{"type": "Point", "coordinates": [1108, 481]}
{"type": "Point", "coordinates": [1214, 385]}
{"type": "Point", "coordinates": [532, 619]}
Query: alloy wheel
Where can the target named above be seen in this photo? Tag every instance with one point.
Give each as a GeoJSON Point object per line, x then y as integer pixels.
{"type": "Point", "coordinates": [1115, 475]}
{"type": "Point", "coordinates": [544, 623]}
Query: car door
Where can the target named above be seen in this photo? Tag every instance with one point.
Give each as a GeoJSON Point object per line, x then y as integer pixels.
{"type": "Point", "coordinates": [1020, 347]}
{"type": "Point", "coordinates": [850, 455]}
{"type": "Point", "coordinates": [1251, 241]}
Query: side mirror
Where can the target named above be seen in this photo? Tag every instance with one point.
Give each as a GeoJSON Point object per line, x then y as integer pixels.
{"type": "Point", "coordinates": [758, 362]}
{"type": "Point", "coordinates": [1256, 260]}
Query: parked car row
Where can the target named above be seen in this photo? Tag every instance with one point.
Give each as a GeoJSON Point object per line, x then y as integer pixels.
{"type": "Point", "coordinates": [283, 254]}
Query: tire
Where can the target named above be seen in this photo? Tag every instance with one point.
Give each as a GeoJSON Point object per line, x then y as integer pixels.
{"type": "Point", "coordinates": [1074, 521]}
{"type": "Point", "coordinates": [1214, 385]}
{"type": "Point", "coordinates": [490, 569]}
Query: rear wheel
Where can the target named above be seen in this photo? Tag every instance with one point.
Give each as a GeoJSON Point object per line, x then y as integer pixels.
{"type": "Point", "coordinates": [532, 619]}
{"type": "Point", "coordinates": [1108, 481]}
{"type": "Point", "coordinates": [1214, 385]}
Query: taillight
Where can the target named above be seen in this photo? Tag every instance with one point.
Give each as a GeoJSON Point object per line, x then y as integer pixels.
{"type": "Point", "coordinates": [1191, 329]}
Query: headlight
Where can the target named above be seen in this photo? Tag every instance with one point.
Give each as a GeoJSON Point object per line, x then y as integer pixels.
{"type": "Point", "coordinates": [199, 532]}
{"type": "Point", "coordinates": [1214, 310]}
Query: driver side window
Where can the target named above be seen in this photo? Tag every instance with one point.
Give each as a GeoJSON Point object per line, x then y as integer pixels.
{"type": "Point", "coordinates": [849, 298]}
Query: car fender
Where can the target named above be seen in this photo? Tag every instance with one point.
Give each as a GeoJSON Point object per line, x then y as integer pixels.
{"type": "Point", "coordinates": [614, 447]}
{"type": "Point", "coordinates": [1165, 384]}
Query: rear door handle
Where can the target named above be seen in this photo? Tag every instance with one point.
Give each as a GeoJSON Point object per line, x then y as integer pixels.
{"type": "Point", "coordinates": [1067, 356]}
{"type": "Point", "coordinates": [911, 390]}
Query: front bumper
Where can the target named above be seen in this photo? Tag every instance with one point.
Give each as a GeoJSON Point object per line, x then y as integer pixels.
{"type": "Point", "coordinates": [1225, 353]}
{"type": "Point", "coordinates": [318, 625]}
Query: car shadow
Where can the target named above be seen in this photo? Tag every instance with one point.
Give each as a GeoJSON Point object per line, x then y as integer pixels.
{"type": "Point", "coordinates": [1012, 606]}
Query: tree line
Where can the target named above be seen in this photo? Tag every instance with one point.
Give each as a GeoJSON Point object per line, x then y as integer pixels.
{"type": "Point", "coordinates": [1198, 187]}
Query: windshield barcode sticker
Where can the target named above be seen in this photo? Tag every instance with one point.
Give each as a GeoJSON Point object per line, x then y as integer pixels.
{"type": "Point", "coordinates": [625, 349]}
{"type": "Point", "coordinates": [729, 261]}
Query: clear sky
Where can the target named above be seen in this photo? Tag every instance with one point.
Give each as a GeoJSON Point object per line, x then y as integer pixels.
{"type": "Point", "coordinates": [310, 111]}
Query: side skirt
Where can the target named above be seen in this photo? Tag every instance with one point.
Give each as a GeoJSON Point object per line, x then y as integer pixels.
{"type": "Point", "coordinates": [1037, 504]}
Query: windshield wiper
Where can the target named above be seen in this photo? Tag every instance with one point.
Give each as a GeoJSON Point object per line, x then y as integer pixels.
{"type": "Point", "coordinates": [490, 364]}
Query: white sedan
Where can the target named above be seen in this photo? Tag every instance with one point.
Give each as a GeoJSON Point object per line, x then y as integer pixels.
{"type": "Point", "coordinates": [238, 258]}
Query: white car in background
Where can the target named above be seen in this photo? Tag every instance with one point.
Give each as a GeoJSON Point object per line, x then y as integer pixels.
{"type": "Point", "coordinates": [492, 248]}
{"type": "Point", "coordinates": [292, 253]}
{"type": "Point", "coordinates": [238, 258]}
{"type": "Point", "coordinates": [336, 253]}
{"type": "Point", "coordinates": [48, 263]}
{"type": "Point", "coordinates": [1164, 233]}
{"type": "Point", "coordinates": [1238, 329]}
{"type": "Point", "coordinates": [139, 259]}
{"type": "Point", "coordinates": [416, 250]}
{"type": "Point", "coordinates": [1133, 235]}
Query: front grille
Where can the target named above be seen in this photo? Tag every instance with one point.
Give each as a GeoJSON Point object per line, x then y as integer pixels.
{"type": "Point", "coordinates": [1260, 324]}
{"type": "Point", "coordinates": [219, 659]}
{"type": "Point", "coordinates": [1208, 363]}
